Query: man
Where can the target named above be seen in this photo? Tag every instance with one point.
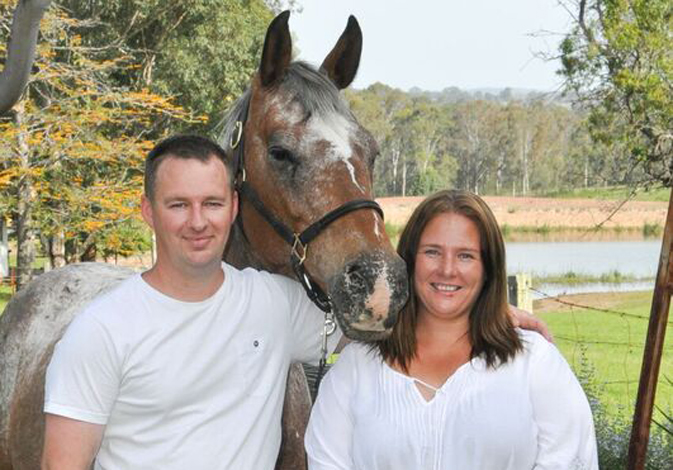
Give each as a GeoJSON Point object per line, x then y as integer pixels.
{"type": "Point", "coordinates": [183, 366]}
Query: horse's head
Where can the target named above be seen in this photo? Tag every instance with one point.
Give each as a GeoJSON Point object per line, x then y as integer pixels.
{"type": "Point", "coordinates": [305, 156]}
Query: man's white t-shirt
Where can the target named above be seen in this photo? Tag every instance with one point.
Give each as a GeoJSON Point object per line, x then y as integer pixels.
{"type": "Point", "coordinates": [186, 385]}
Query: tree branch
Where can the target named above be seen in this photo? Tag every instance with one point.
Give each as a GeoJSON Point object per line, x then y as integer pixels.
{"type": "Point", "coordinates": [21, 50]}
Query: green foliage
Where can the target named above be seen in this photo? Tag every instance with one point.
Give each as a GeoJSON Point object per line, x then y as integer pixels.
{"type": "Point", "coordinates": [652, 230]}
{"type": "Point", "coordinates": [613, 432]}
{"type": "Point", "coordinates": [200, 52]}
{"type": "Point", "coordinates": [5, 295]}
{"type": "Point", "coordinates": [611, 193]}
{"type": "Point", "coordinates": [73, 152]}
{"type": "Point", "coordinates": [491, 147]}
{"type": "Point", "coordinates": [572, 277]}
{"type": "Point", "coordinates": [617, 63]}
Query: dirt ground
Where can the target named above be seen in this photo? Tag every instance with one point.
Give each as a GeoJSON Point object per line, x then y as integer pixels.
{"type": "Point", "coordinates": [539, 212]}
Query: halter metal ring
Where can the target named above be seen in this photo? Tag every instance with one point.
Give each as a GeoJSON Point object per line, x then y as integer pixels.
{"type": "Point", "coordinates": [236, 136]}
{"type": "Point", "coordinates": [330, 325]}
{"type": "Point", "coordinates": [295, 250]}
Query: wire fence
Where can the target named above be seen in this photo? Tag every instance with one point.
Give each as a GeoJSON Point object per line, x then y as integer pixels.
{"type": "Point", "coordinates": [605, 347]}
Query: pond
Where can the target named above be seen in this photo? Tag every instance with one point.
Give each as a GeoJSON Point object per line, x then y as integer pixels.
{"type": "Point", "coordinates": [630, 258]}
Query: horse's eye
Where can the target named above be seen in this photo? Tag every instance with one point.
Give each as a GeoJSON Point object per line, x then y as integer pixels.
{"type": "Point", "coordinates": [282, 155]}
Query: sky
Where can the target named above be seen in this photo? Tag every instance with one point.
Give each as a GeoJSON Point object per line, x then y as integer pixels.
{"type": "Point", "coordinates": [434, 44]}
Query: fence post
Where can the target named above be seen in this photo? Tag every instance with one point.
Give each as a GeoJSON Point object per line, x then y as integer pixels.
{"type": "Point", "coordinates": [518, 287]}
{"type": "Point", "coordinates": [654, 345]}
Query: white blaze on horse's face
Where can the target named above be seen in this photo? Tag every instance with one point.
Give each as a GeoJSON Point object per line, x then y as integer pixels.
{"type": "Point", "coordinates": [337, 131]}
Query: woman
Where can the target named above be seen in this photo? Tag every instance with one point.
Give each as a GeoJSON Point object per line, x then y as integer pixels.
{"type": "Point", "coordinates": [454, 386]}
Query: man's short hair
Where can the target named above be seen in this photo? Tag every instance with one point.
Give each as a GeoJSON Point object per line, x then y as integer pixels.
{"type": "Point", "coordinates": [186, 147]}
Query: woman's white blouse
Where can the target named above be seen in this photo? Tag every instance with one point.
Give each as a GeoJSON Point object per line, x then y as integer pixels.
{"type": "Point", "coordinates": [530, 413]}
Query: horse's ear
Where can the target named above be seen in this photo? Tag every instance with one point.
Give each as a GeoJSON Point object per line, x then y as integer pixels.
{"type": "Point", "coordinates": [277, 51]}
{"type": "Point", "coordinates": [342, 63]}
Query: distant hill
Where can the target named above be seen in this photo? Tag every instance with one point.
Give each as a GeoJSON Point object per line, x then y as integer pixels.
{"type": "Point", "coordinates": [501, 95]}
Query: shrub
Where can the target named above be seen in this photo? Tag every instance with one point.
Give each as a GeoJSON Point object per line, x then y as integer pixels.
{"type": "Point", "coordinates": [652, 230]}
{"type": "Point", "coordinates": [613, 431]}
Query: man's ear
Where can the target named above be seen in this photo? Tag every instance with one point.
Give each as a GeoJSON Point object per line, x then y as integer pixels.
{"type": "Point", "coordinates": [146, 210]}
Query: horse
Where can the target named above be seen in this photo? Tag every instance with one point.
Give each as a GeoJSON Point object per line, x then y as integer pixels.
{"type": "Point", "coordinates": [304, 175]}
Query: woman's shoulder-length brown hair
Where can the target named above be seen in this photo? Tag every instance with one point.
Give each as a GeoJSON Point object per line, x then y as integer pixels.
{"type": "Point", "coordinates": [492, 334]}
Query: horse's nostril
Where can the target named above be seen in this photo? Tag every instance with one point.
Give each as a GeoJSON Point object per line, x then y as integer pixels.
{"type": "Point", "coordinates": [389, 322]}
{"type": "Point", "coordinates": [352, 269]}
{"type": "Point", "coordinates": [355, 274]}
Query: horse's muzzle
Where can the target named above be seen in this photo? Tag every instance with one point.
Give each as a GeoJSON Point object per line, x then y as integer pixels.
{"type": "Point", "coordinates": [368, 294]}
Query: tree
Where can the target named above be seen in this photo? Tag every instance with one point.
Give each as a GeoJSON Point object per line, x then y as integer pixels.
{"type": "Point", "coordinates": [377, 107]}
{"type": "Point", "coordinates": [475, 143]}
{"type": "Point", "coordinates": [618, 64]}
{"type": "Point", "coordinates": [71, 156]}
{"type": "Point", "coordinates": [201, 53]}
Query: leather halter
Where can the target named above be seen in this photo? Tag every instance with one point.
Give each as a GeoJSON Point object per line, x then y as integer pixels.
{"type": "Point", "coordinates": [298, 241]}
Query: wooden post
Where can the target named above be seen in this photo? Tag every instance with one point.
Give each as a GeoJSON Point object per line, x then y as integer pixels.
{"type": "Point", "coordinates": [654, 345]}
{"type": "Point", "coordinates": [518, 288]}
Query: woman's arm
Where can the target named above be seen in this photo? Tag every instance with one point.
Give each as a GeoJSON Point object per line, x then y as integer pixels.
{"type": "Point", "coordinates": [566, 436]}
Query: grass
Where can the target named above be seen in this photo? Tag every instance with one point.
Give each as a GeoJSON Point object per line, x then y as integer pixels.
{"type": "Point", "coordinates": [5, 295]}
{"type": "Point", "coordinates": [612, 193]}
{"type": "Point", "coordinates": [515, 233]}
{"type": "Point", "coordinates": [612, 344]}
{"type": "Point", "coordinates": [572, 278]}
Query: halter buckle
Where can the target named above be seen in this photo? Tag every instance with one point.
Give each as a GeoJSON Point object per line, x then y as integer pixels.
{"type": "Point", "coordinates": [236, 136]}
{"type": "Point", "coordinates": [298, 246]}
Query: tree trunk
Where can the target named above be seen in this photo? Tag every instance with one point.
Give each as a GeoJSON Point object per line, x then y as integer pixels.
{"type": "Point", "coordinates": [57, 250]}
{"type": "Point", "coordinates": [395, 154]}
{"type": "Point", "coordinates": [20, 51]}
{"type": "Point", "coordinates": [525, 182]}
{"type": "Point", "coordinates": [404, 176]}
{"type": "Point", "coordinates": [25, 236]}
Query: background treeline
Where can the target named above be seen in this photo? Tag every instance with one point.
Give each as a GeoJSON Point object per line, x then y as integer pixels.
{"type": "Point", "coordinates": [489, 142]}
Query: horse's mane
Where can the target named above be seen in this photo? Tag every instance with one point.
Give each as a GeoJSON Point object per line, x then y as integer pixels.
{"type": "Point", "coordinates": [311, 88]}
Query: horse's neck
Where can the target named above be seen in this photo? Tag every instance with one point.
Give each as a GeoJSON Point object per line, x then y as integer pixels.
{"type": "Point", "coordinates": [239, 253]}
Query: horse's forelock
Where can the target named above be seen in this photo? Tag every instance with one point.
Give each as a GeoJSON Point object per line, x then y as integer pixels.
{"type": "Point", "coordinates": [313, 90]}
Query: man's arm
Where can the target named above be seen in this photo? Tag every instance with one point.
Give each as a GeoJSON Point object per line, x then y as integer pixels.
{"type": "Point", "coordinates": [70, 444]}
{"type": "Point", "coordinates": [523, 319]}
